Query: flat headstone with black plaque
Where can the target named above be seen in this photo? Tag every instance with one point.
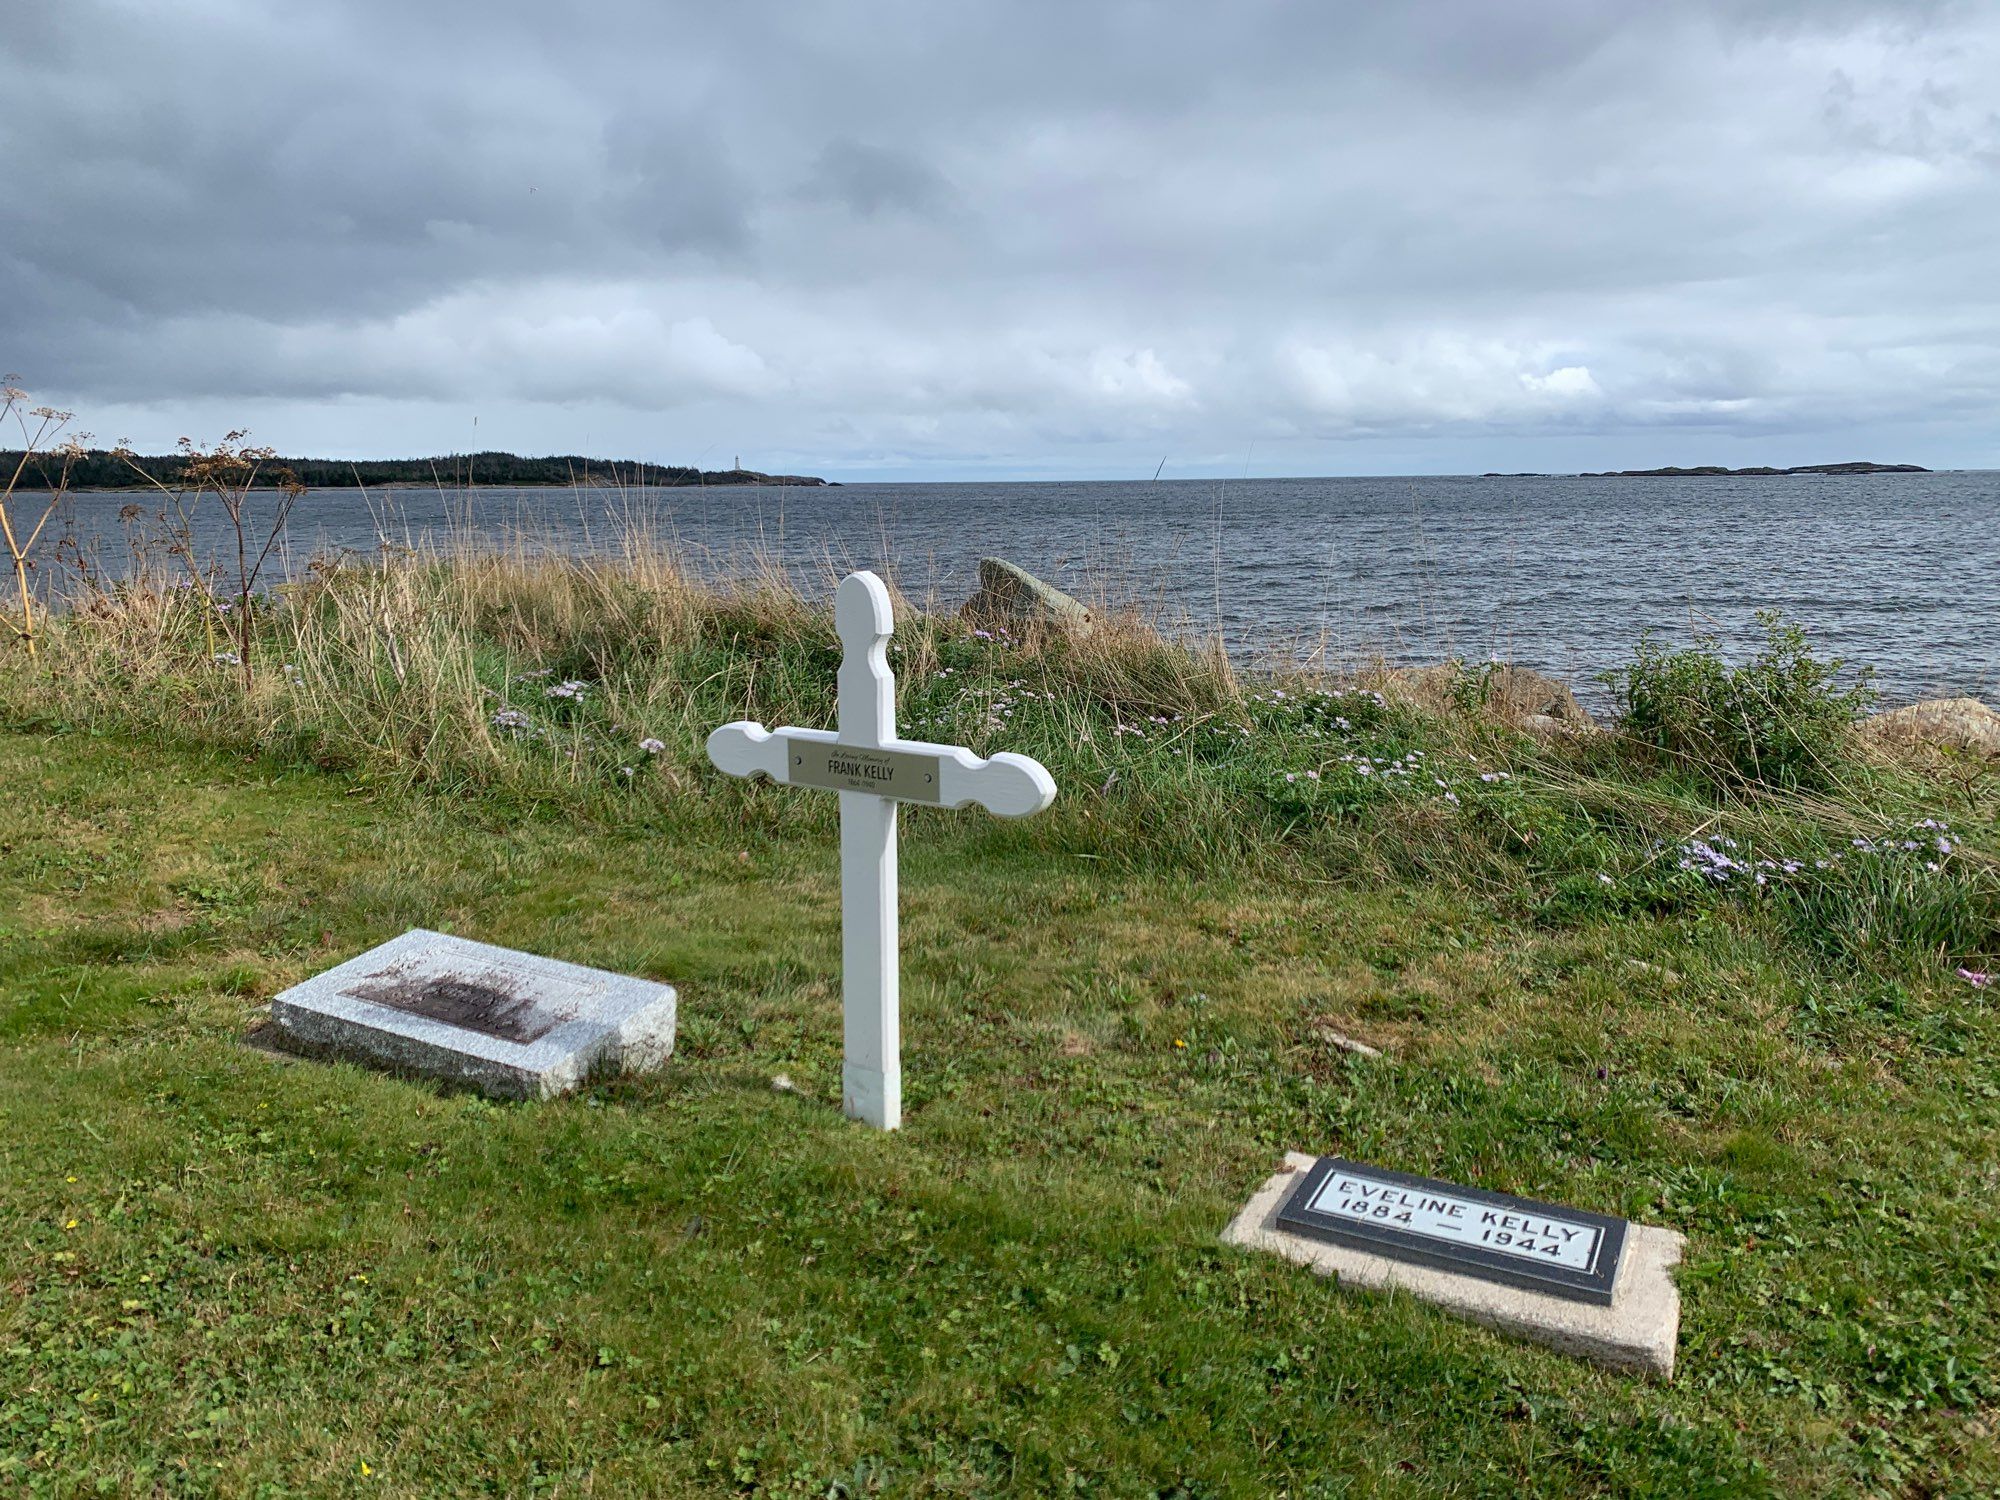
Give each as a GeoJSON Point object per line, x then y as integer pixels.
{"type": "Point", "coordinates": [510, 1024]}
{"type": "Point", "coordinates": [1564, 1252]}
{"type": "Point", "coordinates": [1584, 1282]}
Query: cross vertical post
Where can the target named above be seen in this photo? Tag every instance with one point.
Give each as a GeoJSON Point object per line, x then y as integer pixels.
{"type": "Point", "coordinates": [871, 1073]}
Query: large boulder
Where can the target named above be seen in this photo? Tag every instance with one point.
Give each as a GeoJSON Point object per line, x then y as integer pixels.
{"type": "Point", "coordinates": [1962, 724]}
{"type": "Point", "coordinates": [1015, 598]}
{"type": "Point", "coordinates": [1507, 694]}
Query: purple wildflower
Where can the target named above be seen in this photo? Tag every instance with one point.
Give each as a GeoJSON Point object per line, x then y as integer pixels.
{"type": "Point", "coordinates": [1705, 858]}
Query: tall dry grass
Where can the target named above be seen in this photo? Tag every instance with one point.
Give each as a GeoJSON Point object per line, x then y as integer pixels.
{"type": "Point", "coordinates": [411, 664]}
{"type": "Point", "coordinates": [49, 445]}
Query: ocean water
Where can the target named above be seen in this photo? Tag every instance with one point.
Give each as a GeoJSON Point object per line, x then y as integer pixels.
{"type": "Point", "coordinates": [1900, 572]}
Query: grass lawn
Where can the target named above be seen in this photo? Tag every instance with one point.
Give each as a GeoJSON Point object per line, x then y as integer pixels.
{"type": "Point", "coordinates": [1717, 972]}
{"type": "Point", "coordinates": [232, 1274]}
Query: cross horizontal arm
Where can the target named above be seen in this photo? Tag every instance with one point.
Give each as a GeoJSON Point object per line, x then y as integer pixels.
{"type": "Point", "coordinates": [1008, 785]}
{"type": "Point", "coordinates": [747, 748]}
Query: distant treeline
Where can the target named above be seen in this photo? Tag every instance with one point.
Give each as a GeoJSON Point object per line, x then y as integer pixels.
{"type": "Point", "coordinates": [100, 469]}
{"type": "Point", "coordinates": [1717, 471]}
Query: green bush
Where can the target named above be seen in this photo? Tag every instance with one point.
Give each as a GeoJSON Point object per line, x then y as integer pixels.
{"type": "Point", "coordinates": [1782, 720]}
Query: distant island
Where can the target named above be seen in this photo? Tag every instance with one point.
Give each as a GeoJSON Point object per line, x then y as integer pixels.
{"type": "Point", "coordinates": [101, 469]}
{"type": "Point", "coordinates": [1716, 471]}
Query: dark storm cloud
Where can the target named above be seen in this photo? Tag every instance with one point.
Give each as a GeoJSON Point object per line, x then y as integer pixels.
{"type": "Point", "coordinates": [872, 180]}
{"type": "Point", "coordinates": [1015, 235]}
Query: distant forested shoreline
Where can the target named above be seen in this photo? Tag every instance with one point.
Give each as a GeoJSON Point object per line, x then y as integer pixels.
{"type": "Point", "coordinates": [102, 469]}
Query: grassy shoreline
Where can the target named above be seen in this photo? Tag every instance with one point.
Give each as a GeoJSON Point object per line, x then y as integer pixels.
{"type": "Point", "coordinates": [241, 1277]}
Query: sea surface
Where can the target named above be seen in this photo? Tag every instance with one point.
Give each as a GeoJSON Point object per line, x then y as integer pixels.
{"type": "Point", "coordinates": [1900, 572]}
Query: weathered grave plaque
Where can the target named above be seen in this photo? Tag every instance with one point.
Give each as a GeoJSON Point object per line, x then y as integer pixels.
{"type": "Point", "coordinates": [874, 769]}
{"type": "Point", "coordinates": [1565, 1252]}
{"type": "Point", "coordinates": [1582, 1282]}
{"type": "Point", "coordinates": [509, 1024]}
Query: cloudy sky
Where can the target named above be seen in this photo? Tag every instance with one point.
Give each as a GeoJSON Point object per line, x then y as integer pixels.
{"type": "Point", "coordinates": [922, 240]}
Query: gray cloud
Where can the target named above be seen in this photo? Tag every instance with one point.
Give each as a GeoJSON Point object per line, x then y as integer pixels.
{"type": "Point", "coordinates": [871, 180]}
{"type": "Point", "coordinates": [908, 238]}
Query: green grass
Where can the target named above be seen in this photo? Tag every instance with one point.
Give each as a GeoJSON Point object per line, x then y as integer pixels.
{"type": "Point", "coordinates": [233, 1274]}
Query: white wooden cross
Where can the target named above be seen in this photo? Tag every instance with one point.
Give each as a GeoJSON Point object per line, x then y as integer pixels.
{"type": "Point", "coordinates": [873, 770]}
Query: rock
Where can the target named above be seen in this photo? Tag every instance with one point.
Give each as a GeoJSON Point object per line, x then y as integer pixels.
{"type": "Point", "coordinates": [1345, 1043]}
{"type": "Point", "coordinates": [1961, 724]}
{"type": "Point", "coordinates": [1509, 695]}
{"type": "Point", "coordinates": [1013, 597]}
{"type": "Point", "coordinates": [1671, 976]}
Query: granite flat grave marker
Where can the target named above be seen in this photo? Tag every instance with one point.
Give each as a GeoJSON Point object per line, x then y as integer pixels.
{"type": "Point", "coordinates": [506, 1023]}
{"type": "Point", "coordinates": [873, 769]}
{"type": "Point", "coordinates": [1583, 1282]}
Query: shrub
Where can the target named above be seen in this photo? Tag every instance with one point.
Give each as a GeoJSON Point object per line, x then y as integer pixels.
{"type": "Point", "coordinates": [1781, 721]}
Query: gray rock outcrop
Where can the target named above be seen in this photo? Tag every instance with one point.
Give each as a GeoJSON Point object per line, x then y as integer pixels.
{"type": "Point", "coordinates": [1962, 724]}
{"type": "Point", "coordinates": [1015, 598]}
